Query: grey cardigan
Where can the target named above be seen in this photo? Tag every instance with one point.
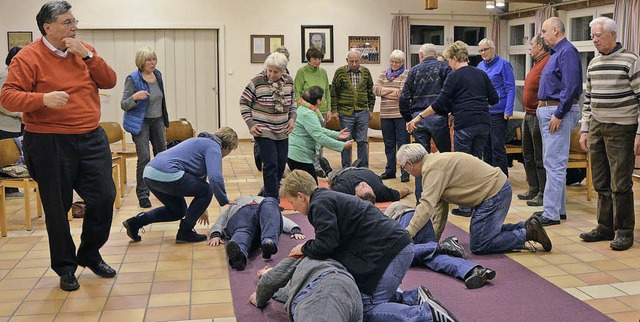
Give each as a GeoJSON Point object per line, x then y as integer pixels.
{"type": "Point", "coordinates": [9, 121]}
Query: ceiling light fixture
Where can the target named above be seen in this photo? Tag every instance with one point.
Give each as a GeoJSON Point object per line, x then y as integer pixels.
{"type": "Point", "coordinates": [490, 5]}
{"type": "Point", "coordinates": [500, 3]}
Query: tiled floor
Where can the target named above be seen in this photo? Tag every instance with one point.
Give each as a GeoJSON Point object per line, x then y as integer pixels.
{"type": "Point", "coordinates": [159, 280]}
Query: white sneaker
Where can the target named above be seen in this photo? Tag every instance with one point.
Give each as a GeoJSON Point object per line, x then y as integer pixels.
{"type": "Point", "coordinates": [14, 195]}
{"type": "Point", "coordinates": [438, 311]}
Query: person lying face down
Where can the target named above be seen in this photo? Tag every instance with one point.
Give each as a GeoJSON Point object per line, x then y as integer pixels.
{"type": "Point", "coordinates": [362, 181]}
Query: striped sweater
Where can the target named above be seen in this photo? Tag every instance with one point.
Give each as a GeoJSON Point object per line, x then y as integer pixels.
{"type": "Point", "coordinates": [258, 107]}
{"type": "Point", "coordinates": [612, 93]}
{"type": "Point", "coordinates": [345, 99]}
{"type": "Point", "coordinates": [389, 107]}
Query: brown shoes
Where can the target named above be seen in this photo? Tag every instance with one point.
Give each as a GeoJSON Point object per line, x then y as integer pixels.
{"type": "Point", "coordinates": [536, 232]}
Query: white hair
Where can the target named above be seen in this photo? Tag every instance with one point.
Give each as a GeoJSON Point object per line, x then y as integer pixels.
{"type": "Point", "coordinates": [428, 48]}
{"type": "Point", "coordinates": [397, 54]}
{"type": "Point", "coordinates": [488, 42]}
{"type": "Point", "coordinates": [413, 153]}
{"type": "Point", "coordinates": [355, 51]}
{"type": "Point", "coordinates": [276, 60]}
{"type": "Point", "coordinates": [607, 23]}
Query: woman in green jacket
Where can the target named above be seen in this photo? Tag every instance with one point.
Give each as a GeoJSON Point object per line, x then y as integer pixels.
{"type": "Point", "coordinates": [308, 134]}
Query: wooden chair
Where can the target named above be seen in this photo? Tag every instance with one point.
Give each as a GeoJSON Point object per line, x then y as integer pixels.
{"type": "Point", "coordinates": [580, 159]}
{"type": "Point", "coordinates": [3, 213]}
{"type": "Point", "coordinates": [10, 155]}
{"type": "Point", "coordinates": [514, 148]}
{"type": "Point", "coordinates": [120, 162]}
{"type": "Point", "coordinates": [375, 124]}
{"type": "Point", "coordinates": [116, 135]}
{"type": "Point", "coordinates": [180, 130]}
{"type": "Point", "coordinates": [115, 174]}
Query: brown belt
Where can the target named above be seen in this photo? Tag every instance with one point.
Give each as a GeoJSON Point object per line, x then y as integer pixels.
{"type": "Point", "coordinates": [553, 103]}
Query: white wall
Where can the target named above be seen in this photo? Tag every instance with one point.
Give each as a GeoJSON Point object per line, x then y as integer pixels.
{"type": "Point", "coordinates": [237, 20]}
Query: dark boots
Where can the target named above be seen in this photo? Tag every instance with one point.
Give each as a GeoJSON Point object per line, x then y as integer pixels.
{"type": "Point", "coordinates": [186, 234]}
{"type": "Point", "coordinates": [134, 224]}
{"type": "Point", "coordinates": [451, 247]}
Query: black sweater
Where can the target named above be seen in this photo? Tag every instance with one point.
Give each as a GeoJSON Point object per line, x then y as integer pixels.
{"type": "Point", "coordinates": [349, 179]}
{"type": "Point", "coordinates": [467, 93]}
{"type": "Point", "coordinates": [355, 233]}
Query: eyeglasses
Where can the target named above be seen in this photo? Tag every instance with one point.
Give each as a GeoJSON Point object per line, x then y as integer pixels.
{"type": "Point", "coordinates": [483, 50]}
{"type": "Point", "coordinates": [70, 22]}
{"type": "Point", "coordinates": [597, 35]}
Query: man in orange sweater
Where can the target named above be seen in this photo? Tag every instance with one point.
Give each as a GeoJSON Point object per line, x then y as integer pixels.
{"type": "Point", "coordinates": [54, 81]}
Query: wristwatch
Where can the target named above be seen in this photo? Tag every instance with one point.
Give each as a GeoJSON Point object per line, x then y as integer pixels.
{"type": "Point", "coordinates": [89, 55]}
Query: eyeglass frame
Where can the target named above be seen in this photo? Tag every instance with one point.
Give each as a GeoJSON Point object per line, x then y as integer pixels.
{"type": "Point", "coordinates": [70, 22]}
{"type": "Point", "coordinates": [482, 51]}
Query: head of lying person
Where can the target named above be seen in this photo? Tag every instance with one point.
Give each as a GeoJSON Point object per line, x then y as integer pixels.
{"type": "Point", "coordinates": [365, 192]}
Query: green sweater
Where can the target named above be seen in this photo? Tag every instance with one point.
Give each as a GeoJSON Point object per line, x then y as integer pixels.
{"type": "Point", "coordinates": [308, 76]}
{"type": "Point", "coordinates": [307, 136]}
{"type": "Point", "coordinates": [345, 99]}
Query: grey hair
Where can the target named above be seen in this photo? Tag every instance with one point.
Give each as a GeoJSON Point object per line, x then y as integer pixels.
{"type": "Point", "coordinates": [488, 42]}
{"type": "Point", "coordinates": [458, 50]}
{"type": "Point", "coordinates": [413, 153]}
{"type": "Point", "coordinates": [540, 41]}
{"type": "Point", "coordinates": [276, 60]}
{"type": "Point", "coordinates": [556, 22]}
{"type": "Point", "coordinates": [607, 23]}
{"type": "Point", "coordinates": [49, 13]}
{"type": "Point", "coordinates": [283, 50]}
{"type": "Point", "coordinates": [354, 51]}
{"type": "Point", "coordinates": [428, 48]}
{"type": "Point", "coordinates": [397, 54]}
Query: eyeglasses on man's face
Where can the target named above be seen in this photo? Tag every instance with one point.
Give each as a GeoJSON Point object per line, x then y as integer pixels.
{"type": "Point", "coordinates": [484, 50]}
{"type": "Point", "coordinates": [70, 22]}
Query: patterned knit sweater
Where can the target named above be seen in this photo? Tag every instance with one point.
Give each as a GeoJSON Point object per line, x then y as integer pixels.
{"type": "Point", "coordinates": [258, 106]}
{"type": "Point", "coordinates": [389, 107]}
{"type": "Point", "coordinates": [612, 94]}
{"type": "Point", "coordinates": [345, 99]}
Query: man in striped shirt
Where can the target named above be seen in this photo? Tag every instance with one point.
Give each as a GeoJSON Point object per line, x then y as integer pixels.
{"type": "Point", "coordinates": [610, 133]}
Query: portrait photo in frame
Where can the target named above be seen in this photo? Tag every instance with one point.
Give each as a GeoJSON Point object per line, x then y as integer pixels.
{"type": "Point", "coordinates": [264, 45]}
{"type": "Point", "coordinates": [368, 46]}
{"type": "Point", "coordinates": [19, 38]}
{"type": "Point", "coordinates": [320, 36]}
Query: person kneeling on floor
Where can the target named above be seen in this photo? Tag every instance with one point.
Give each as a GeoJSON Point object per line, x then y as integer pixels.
{"type": "Point", "coordinates": [361, 182]}
{"type": "Point", "coordinates": [467, 181]}
{"type": "Point", "coordinates": [250, 221]}
{"type": "Point", "coordinates": [181, 172]}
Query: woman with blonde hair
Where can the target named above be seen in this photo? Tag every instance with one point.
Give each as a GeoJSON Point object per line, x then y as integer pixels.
{"type": "Point", "coordinates": [145, 114]}
{"type": "Point", "coordinates": [394, 132]}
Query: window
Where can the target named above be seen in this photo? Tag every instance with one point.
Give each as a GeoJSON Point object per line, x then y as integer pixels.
{"type": "Point", "coordinates": [585, 59]}
{"type": "Point", "coordinates": [470, 35]}
{"type": "Point", "coordinates": [516, 35]}
{"type": "Point", "coordinates": [415, 59]}
{"type": "Point", "coordinates": [532, 31]}
{"type": "Point", "coordinates": [519, 63]}
{"type": "Point", "coordinates": [608, 15]}
{"type": "Point", "coordinates": [422, 34]}
{"type": "Point", "coordinates": [474, 60]}
{"type": "Point", "coordinates": [580, 28]}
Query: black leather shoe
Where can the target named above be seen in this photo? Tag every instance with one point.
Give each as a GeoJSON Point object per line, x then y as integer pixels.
{"type": "Point", "coordinates": [621, 243]}
{"type": "Point", "coordinates": [69, 282]}
{"type": "Point", "coordinates": [527, 195]}
{"type": "Point", "coordinates": [268, 248]}
{"type": "Point", "coordinates": [595, 236]}
{"type": "Point", "coordinates": [404, 177]}
{"type": "Point", "coordinates": [387, 175]}
{"type": "Point", "coordinates": [458, 212]}
{"type": "Point", "coordinates": [535, 201]}
{"type": "Point", "coordinates": [535, 231]}
{"type": "Point", "coordinates": [144, 203]}
{"type": "Point", "coordinates": [546, 221]}
{"type": "Point", "coordinates": [189, 236]}
{"type": "Point", "coordinates": [451, 247]}
{"type": "Point", "coordinates": [101, 269]}
{"type": "Point", "coordinates": [237, 260]}
{"type": "Point", "coordinates": [478, 277]}
{"type": "Point", "coordinates": [539, 214]}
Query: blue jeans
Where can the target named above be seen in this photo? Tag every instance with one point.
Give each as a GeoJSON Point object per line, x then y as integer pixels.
{"type": "Point", "coordinates": [425, 246]}
{"type": "Point", "coordinates": [357, 124]}
{"type": "Point", "coordinates": [379, 306]}
{"type": "Point", "coordinates": [434, 127]}
{"type": "Point", "coordinates": [274, 158]}
{"type": "Point", "coordinates": [154, 131]}
{"type": "Point", "coordinates": [555, 156]}
{"type": "Point", "coordinates": [172, 194]}
{"type": "Point", "coordinates": [495, 152]}
{"type": "Point", "coordinates": [471, 140]}
{"type": "Point", "coordinates": [487, 232]}
{"type": "Point", "coordinates": [395, 135]}
{"type": "Point", "coordinates": [255, 223]}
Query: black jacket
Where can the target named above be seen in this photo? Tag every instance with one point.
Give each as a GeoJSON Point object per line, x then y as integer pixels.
{"type": "Point", "coordinates": [350, 178]}
{"type": "Point", "coordinates": [355, 233]}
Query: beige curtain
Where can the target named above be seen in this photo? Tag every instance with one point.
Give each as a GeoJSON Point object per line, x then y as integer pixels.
{"type": "Point", "coordinates": [625, 13]}
{"type": "Point", "coordinates": [400, 37]}
{"type": "Point", "coordinates": [495, 33]}
{"type": "Point", "coordinates": [543, 14]}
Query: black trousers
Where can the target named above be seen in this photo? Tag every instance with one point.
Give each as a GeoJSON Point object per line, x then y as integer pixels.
{"type": "Point", "coordinates": [61, 163]}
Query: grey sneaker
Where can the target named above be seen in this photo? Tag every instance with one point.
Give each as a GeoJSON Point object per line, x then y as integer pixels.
{"type": "Point", "coordinates": [438, 311]}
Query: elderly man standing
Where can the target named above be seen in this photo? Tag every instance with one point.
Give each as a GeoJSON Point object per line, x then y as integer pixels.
{"type": "Point", "coordinates": [531, 137]}
{"type": "Point", "coordinates": [65, 149]}
{"type": "Point", "coordinates": [558, 113]}
{"type": "Point", "coordinates": [353, 99]}
{"type": "Point", "coordinates": [467, 181]}
{"type": "Point", "coordinates": [610, 133]}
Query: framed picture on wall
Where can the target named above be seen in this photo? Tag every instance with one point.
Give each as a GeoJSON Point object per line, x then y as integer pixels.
{"type": "Point", "coordinates": [317, 36]}
{"type": "Point", "coordinates": [19, 38]}
{"type": "Point", "coordinates": [368, 46]}
{"type": "Point", "coordinates": [264, 45]}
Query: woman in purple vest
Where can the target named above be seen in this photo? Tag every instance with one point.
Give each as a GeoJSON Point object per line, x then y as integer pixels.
{"type": "Point", "coordinates": [145, 114]}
